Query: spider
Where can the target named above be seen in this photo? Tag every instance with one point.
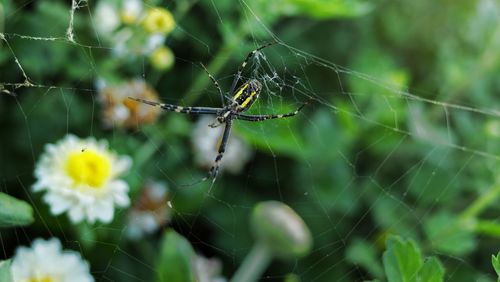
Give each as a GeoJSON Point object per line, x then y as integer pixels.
{"type": "Point", "coordinates": [242, 99]}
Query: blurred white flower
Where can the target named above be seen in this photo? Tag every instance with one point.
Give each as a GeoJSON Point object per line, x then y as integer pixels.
{"type": "Point", "coordinates": [208, 269]}
{"type": "Point", "coordinates": [80, 176]}
{"type": "Point", "coordinates": [106, 18]}
{"type": "Point", "coordinates": [132, 31]}
{"type": "Point", "coordinates": [153, 42]}
{"type": "Point", "coordinates": [150, 211]}
{"type": "Point", "coordinates": [120, 41]}
{"type": "Point", "coordinates": [206, 141]}
{"type": "Point", "coordinates": [119, 111]}
{"type": "Point", "coordinates": [127, 43]}
{"type": "Point", "coordinates": [132, 11]}
{"type": "Point", "coordinates": [46, 261]}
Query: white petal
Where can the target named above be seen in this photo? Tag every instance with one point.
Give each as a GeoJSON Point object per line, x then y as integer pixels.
{"type": "Point", "coordinates": [57, 203]}
{"type": "Point", "coordinates": [120, 195]}
{"type": "Point", "coordinates": [76, 214]}
{"type": "Point", "coordinates": [104, 211]}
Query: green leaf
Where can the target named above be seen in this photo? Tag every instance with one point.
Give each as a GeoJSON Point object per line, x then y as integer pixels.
{"type": "Point", "coordinates": [402, 260]}
{"type": "Point", "coordinates": [495, 261]}
{"type": "Point", "coordinates": [403, 263]}
{"type": "Point", "coordinates": [176, 259]}
{"type": "Point", "coordinates": [5, 270]}
{"type": "Point", "coordinates": [448, 235]}
{"type": "Point", "coordinates": [364, 254]}
{"type": "Point", "coordinates": [279, 135]}
{"type": "Point", "coordinates": [431, 271]}
{"type": "Point", "coordinates": [14, 212]}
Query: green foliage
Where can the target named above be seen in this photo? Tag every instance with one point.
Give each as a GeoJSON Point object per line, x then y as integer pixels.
{"type": "Point", "coordinates": [175, 261]}
{"type": "Point", "coordinates": [292, 278]}
{"type": "Point", "coordinates": [488, 227]}
{"type": "Point", "coordinates": [403, 262]}
{"type": "Point", "coordinates": [5, 270]}
{"type": "Point", "coordinates": [14, 212]}
{"type": "Point", "coordinates": [495, 261]}
{"type": "Point", "coordinates": [432, 270]}
{"type": "Point", "coordinates": [447, 234]}
{"type": "Point", "coordinates": [401, 136]}
{"type": "Point", "coordinates": [318, 9]}
{"type": "Point", "coordinates": [365, 255]}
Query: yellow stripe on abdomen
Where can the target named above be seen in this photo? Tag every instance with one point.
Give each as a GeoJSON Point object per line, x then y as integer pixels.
{"type": "Point", "coordinates": [240, 91]}
{"type": "Point", "coordinates": [249, 99]}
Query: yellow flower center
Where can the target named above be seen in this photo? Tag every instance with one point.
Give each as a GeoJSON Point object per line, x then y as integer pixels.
{"type": "Point", "coordinates": [159, 20]}
{"type": "Point", "coordinates": [41, 279]}
{"type": "Point", "coordinates": [88, 167]}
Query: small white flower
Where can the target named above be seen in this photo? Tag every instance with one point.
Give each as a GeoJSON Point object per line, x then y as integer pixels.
{"type": "Point", "coordinates": [206, 141]}
{"type": "Point", "coordinates": [120, 111]}
{"type": "Point", "coordinates": [153, 42]}
{"type": "Point", "coordinates": [132, 10]}
{"type": "Point", "coordinates": [120, 41]}
{"type": "Point", "coordinates": [80, 177]}
{"type": "Point", "coordinates": [208, 269]}
{"type": "Point", "coordinates": [46, 261]}
{"type": "Point", "coordinates": [150, 211]}
{"type": "Point", "coordinates": [106, 18]}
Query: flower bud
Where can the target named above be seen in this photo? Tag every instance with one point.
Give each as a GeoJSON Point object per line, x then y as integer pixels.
{"type": "Point", "coordinates": [162, 58]}
{"type": "Point", "coordinates": [278, 227]}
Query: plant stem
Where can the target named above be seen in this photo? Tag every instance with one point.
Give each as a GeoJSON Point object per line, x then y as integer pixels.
{"type": "Point", "coordinates": [481, 203]}
{"type": "Point", "coordinates": [254, 264]}
{"type": "Point", "coordinates": [2, 19]}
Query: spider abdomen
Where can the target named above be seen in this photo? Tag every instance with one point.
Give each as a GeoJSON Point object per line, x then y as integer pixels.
{"type": "Point", "coordinates": [246, 95]}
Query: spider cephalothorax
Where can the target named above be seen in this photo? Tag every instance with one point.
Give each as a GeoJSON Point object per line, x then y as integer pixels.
{"type": "Point", "coordinates": [240, 100]}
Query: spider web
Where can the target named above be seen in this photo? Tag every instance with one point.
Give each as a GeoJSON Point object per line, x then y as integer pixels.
{"type": "Point", "coordinates": [347, 188]}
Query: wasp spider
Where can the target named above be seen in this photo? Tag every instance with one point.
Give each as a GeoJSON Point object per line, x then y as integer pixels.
{"type": "Point", "coordinates": [239, 101]}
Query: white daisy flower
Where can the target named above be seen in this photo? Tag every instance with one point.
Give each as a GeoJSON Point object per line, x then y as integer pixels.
{"type": "Point", "coordinates": [81, 178]}
{"type": "Point", "coordinates": [206, 141]}
{"type": "Point", "coordinates": [46, 261]}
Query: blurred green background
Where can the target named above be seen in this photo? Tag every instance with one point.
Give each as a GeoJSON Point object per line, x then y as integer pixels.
{"type": "Point", "coordinates": [402, 136]}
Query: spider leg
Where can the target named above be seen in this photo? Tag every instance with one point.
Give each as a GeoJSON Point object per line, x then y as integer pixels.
{"type": "Point", "coordinates": [216, 84]}
{"type": "Point", "coordinates": [214, 170]}
{"type": "Point", "coordinates": [264, 117]}
{"type": "Point", "coordinates": [245, 62]}
{"type": "Point", "coordinates": [180, 109]}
